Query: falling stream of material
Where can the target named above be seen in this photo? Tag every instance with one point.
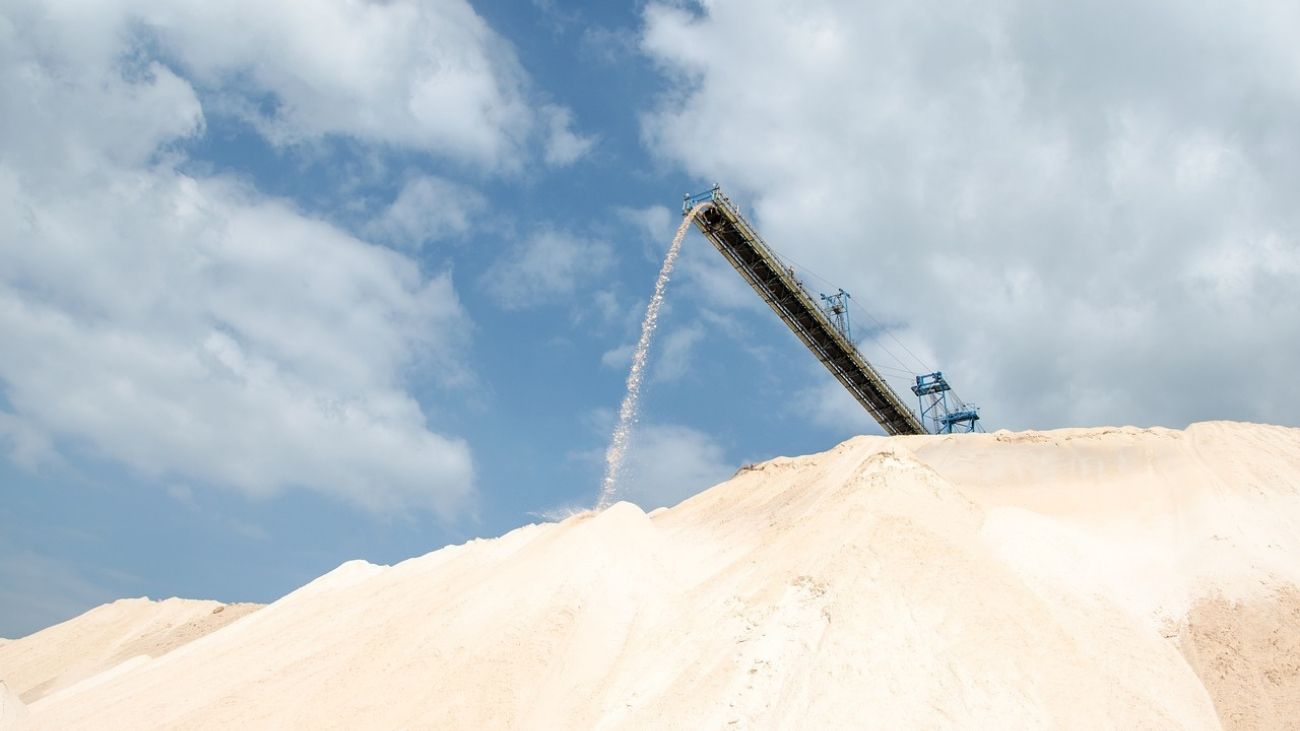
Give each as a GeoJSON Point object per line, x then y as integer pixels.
{"type": "Point", "coordinates": [627, 412]}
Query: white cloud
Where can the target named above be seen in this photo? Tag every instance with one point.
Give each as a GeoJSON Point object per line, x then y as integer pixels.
{"type": "Point", "coordinates": [667, 464]}
{"type": "Point", "coordinates": [28, 447]}
{"type": "Point", "coordinates": [546, 267]}
{"type": "Point", "coordinates": [417, 74]}
{"type": "Point", "coordinates": [181, 493]}
{"type": "Point", "coordinates": [203, 335]}
{"type": "Point", "coordinates": [654, 225]}
{"type": "Point", "coordinates": [1084, 208]}
{"type": "Point", "coordinates": [563, 145]}
{"type": "Point", "coordinates": [428, 208]}
{"type": "Point", "coordinates": [826, 403]}
{"type": "Point", "coordinates": [674, 358]}
{"type": "Point", "coordinates": [52, 135]}
{"type": "Point", "coordinates": [619, 357]}
{"type": "Point", "coordinates": [608, 45]}
{"type": "Point", "coordinates": [429, 75]}
{"type": "Point", "coordinates": [710, 278]}
{"type": "Point", "coordinates": [606, 305]}
{"type": "Point", "coordinates": [185, 326]}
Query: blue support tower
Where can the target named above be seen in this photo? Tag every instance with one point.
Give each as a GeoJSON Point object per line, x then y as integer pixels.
{"type": "Point", "coordinates": [837, 309]}
{"type": "Point", "coordinates": [931, 391]}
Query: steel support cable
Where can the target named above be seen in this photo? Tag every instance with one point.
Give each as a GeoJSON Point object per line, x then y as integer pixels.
{"type": "Point", "coordinates": [854, 303]}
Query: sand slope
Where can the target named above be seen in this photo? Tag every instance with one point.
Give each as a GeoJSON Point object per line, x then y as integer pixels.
{"type": "Point", "coordinates": [13, 713]}
{"type": "Point", "coordinates": [1103, 578]}
{"type": "Point", "coordinates": [106, 637]}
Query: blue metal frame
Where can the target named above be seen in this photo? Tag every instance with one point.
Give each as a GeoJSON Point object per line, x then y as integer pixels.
{"type": "Point", "coordinates": [837, 309]}
{"type": "Point", "coordinates": [690, 201]}
{"type": "Point", "coordinates": [937, 412]}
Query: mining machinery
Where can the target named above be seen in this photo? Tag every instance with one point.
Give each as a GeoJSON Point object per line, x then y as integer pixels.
{"type": "Point", "coordinates": [824, 329]}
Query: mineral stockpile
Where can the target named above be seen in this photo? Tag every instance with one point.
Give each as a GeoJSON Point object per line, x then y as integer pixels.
{"type": "Point", "coordinates": [1082, 578]}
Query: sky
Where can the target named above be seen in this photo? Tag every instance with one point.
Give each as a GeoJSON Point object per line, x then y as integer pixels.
{"type": "Point", "coordinates": [284, 285]}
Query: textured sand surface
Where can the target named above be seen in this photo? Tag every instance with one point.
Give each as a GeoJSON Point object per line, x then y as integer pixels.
{"type": "Point", "coordinates": [1248, 655]}
{"type": "Point", "coordinates": [1086, 578]}
{"type": "Point", "coordinates": [13, 714]}
{"type": "Point", "coordinates": [104, 638]}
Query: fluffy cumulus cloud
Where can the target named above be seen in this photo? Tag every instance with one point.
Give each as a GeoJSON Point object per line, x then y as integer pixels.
{"type": "Point", "coordinates": [191, 328]}
{"type": "Point", "coordinates": [1087, 210]}
{"type": "Point", "coordinates": [428, 75]}
{"type": "Point", "coordinates": [182, 328]}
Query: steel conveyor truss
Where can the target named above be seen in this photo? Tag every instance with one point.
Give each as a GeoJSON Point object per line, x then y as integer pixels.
{"type": "Point", "coordinates": [721, 223]}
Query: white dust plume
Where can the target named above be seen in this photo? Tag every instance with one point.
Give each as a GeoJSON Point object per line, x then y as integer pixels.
{"type": "Point", "coordinates": [627, 412]}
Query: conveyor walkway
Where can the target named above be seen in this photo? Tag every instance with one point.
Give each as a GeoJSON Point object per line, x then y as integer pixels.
{"type": "Point", "coordinates": [733, 237]}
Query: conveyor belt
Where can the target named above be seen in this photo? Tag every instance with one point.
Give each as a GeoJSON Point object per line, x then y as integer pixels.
{"type": "Point", "coordinates": [733, 237]}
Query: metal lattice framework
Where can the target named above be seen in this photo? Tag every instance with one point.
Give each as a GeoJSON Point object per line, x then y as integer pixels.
{"type": "Point", "coordinates": [932, 391]}
{"type": "Point", "coordinates": [721, 223]}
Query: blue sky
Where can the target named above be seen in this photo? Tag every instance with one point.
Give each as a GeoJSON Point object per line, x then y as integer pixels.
{"type": "Point", "coordinates": [285, 288]}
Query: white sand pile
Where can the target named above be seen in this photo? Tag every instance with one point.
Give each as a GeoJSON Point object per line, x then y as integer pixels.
{"type": "Point", "coordinates": [106, 637]}
{"type": "Point", "coordinates": [13, 714]}
{"type": "Point", "coordinates": [1075, 579]}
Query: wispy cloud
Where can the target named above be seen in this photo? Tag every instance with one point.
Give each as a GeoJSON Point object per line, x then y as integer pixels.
{"type": "Point", "coordinates": [563, 146]}
{"type": "Point", "coordinates": [427, 208]}
{"type": "Point", "coordinates": [546, 267]}
{"type": "Point", "coordinates": [37, 590]}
